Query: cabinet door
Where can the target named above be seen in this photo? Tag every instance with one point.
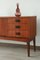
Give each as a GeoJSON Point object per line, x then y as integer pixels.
{"type": "Point", "coordinates": [3, 26]}
{"type": "Point", "coordinates": [10, 29]}
{"type": "Point", "coordinates": [33, 29]}
{"type": "Point", "coordinates": [0, 26]}
{"type": "Point", "coordinates": [6, 27]}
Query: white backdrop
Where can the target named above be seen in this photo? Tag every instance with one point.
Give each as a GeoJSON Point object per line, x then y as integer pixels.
{"type": "Point", "coordinates": [27, 7]}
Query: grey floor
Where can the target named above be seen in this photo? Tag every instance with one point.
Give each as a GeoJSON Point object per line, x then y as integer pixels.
{"type": "Point", "coordinates": [17, 53]}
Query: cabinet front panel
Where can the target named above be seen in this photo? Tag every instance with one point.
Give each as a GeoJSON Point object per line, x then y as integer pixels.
{"type": "Point", "coordinates": [18, 27]}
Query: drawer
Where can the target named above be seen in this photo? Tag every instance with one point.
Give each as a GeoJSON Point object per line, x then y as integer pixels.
{"type": "Point", "coordinates": [14, 20]}
{"type": "Point", "coordinates": [19, 20]}
{"type": "Point", "coordinates": [18, 26]}
{"type": "Point", "coordinates": [19, 33]}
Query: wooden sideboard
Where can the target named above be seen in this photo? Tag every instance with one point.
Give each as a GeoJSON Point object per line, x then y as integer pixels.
{"type": "Point", "coordinates": [19, 29]}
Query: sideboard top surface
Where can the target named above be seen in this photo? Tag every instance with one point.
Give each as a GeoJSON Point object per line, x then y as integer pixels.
{"type": "Point", "coordinates": [15, 16]}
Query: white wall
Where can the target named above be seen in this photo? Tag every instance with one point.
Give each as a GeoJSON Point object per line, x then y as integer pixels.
{"type": "Point", "coordinates": [27, 7]}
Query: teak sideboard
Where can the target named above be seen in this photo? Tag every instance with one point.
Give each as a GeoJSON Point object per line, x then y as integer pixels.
{"type": "Point", "coordinates": [19, 29]}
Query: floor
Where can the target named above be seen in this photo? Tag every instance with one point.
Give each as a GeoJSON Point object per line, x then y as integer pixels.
{"type": "Point", "coordinates": [17, 53]}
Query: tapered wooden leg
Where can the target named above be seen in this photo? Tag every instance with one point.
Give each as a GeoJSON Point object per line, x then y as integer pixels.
{"type": "Point", "coordinates": [28, 46]}
{"type": "Point", "coordinates": [34, 44]}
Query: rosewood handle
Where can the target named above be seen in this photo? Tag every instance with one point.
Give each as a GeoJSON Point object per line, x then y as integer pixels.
{"type": "Point", "coordinates": [17, 20]}
{"type": "Point", "coordinates": [17, 26]}
{"type": "Point", "coordinates": [17, 33]}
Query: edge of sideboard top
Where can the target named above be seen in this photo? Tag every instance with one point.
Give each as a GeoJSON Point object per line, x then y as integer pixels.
{"type": "Point", "coordinates": [15, 16]}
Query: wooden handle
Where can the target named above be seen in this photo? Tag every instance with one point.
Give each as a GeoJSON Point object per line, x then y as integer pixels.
{"type": "Point", "coordinates": [17, 26]}
{"type": "Point", "coordinates": [17, 20]}
{"type": "Point", "coordinates": [17, 33]}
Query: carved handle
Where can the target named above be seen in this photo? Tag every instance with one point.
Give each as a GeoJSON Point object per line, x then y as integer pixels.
{"type": "Point", "coordinates": [17, 33]}
{"type": "Point", "coordinates": [17, 20]}
{"type": "Point", "coordinates": [17, 26]}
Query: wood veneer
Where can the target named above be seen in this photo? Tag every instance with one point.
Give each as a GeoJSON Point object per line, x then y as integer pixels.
{"type": "Point", "coordinates": [18, 28]}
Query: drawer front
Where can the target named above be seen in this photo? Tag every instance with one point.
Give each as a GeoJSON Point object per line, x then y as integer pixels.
{"type": "Point", "coordinates": [13, 20]}
{"type": "Point", "coordinates": [18, 26]}
{"type": "Point", "coordinates": [19, 20]}
{"type": "Point", "coordinates": [18, 33]}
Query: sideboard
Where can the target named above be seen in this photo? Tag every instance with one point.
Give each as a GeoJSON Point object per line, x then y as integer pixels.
{"type": "Point", "coordinates": [19, 29]}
